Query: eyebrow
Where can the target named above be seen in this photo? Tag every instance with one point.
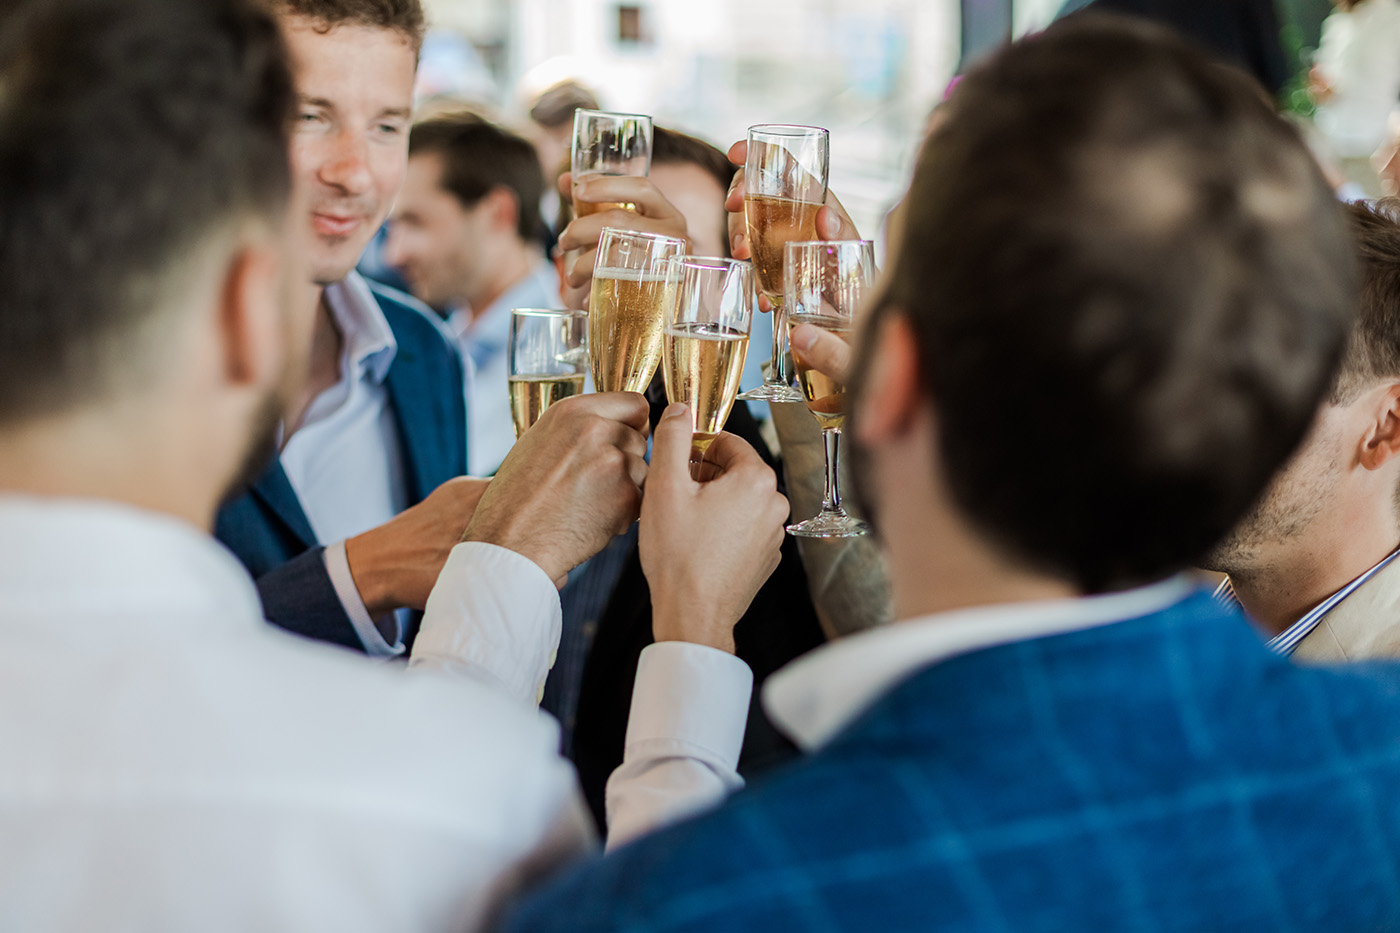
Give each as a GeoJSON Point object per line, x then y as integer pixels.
{"type": "Point", "coordinates": [405, 113]}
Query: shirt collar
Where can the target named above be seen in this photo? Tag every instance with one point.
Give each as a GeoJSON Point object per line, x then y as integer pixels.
{"type": "Point", "coordinates": [92, 559]}
{"type": "Point", "coordinates": [370, 346]}
{"type": "Point", "coordinates": [818, 695]}
{"type": "Point", "coordinates": [491, 328]}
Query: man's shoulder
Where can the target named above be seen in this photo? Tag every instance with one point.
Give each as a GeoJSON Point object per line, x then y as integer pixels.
{"type": "Point", "coordinates": [413, 323]}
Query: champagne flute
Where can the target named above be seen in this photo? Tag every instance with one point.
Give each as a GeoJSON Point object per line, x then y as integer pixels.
{"type": "Point", "coordinates": [548, 361]}
{"type": "Point", "coordinates": [706, 341]}
{"type": "Point", "coordinates": [784, 187]}
{"type": "Point", "coordinates": [608, 144]}
{"type": "Point", "coordinates": [825, 283]}
{"type": "Point", "coordinates": [627, 307]}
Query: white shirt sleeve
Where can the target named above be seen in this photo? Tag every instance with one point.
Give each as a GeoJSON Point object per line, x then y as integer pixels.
{"type": "Point", "coordinates": [690, 705]}
{"type": "Point", "coordinates": [494, 615]}
{"type": "Point", "coordinates": [338, 566]}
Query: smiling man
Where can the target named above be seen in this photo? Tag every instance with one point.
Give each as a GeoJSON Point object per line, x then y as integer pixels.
{"type": "Point", "coordinates": [349, 525]}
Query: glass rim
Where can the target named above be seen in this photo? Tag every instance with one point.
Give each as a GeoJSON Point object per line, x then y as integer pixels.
{"type": "Point", "coordinates": [787, 129]}
{"type": "Point", "coordinates": [710, 262]}
{"type": "Point", "coordinates": [828, 243]}
{"type": "Point", "coordinates": [620, 231]}
{"type": "Point", "coordinates": [548, 312]}
{"type": "Point", "coordinates": [610, 113]}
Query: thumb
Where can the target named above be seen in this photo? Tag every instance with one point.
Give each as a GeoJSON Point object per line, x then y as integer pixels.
{"type": "Point", "coordinates": [670, 447]}
{"type": "Point", "coordinates": [832, 226]}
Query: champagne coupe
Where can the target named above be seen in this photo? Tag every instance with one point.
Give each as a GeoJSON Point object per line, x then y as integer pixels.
{"type": "Point", "coordinates": [627, 307]}
{"type": "Point", "coordinates": [707, 338]}
{"type": "Point", "coordinates": [608, 144]}
{"type": "Point", "coordinates": [825, 283]}
{"type": "Point", "coordinates": [784, 188]}
{"type": "Point", "coordinates": [548, 361]}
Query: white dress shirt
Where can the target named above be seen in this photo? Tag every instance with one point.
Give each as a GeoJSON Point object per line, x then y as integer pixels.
{"type": "Point", "coordinates": [484, 341]}
{"type": "Point", "coordinates": [819, 694]}
{"type": "Point", "coordinates": [345, 461]}
{"type": "Point", "coordinates": [172, 762]}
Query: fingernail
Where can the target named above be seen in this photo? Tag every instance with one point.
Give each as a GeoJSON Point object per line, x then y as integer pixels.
{"type": "Point", "coordinates": [803, 336]}
{"type": "Point", "coordinates": [738, 242]}
{"type": "Point", "coordinates": [674, 410]}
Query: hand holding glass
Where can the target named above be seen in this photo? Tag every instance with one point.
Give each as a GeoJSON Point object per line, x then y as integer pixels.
{"type": "Point", "coordinates": [608, 144]}
{"type": "Point", "coordinates": [548, 361]}
{"type": "Point", "coordinates": [785, 181]}
{"type": "Point", "coordinates": [706, 341]}
{"type": "Point", "coordinates": [627, 307]}
{"type": "Point", "coordinates": [826, 282]}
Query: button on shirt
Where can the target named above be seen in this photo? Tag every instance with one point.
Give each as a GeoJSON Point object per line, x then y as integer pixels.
{"type": "Point", "coordinates": [484, 341]}
{"type": "Point", "coordinates": [171, 762]}
{"type": "Point", "coordinates": [345, 461]}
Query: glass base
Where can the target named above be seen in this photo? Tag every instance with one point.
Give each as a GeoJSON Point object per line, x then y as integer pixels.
{"type": "Point", "coordinates": [830, 525]}
{"type": "Point", "coordinates": [771, 393]}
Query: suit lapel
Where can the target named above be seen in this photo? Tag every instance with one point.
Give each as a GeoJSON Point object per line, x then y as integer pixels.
{"type": "Point", "coordinates": [415, 406]}
{"type": "Point", "coordinates": [275, 491]}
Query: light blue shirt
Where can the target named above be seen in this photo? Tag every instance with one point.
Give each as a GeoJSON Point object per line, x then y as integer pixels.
{"type": "Point", "coordinates": [484, 340]}
{"type": "Point", "coordinates": [345, 461]}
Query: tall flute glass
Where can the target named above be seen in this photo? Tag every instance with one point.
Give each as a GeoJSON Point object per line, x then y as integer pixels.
{"type": "Point", "coordinates": [826, 282]}
{"type": "Point", "coordinates": [706, 341]}
{"type": "Point", "coordinates": [627, 307]}
{"type": "Point", "coordinates": [785, 181]}
{"type": "Point", "coordinates": [548, 355]}
{"type": "Point", "coordinates": [608, 144]}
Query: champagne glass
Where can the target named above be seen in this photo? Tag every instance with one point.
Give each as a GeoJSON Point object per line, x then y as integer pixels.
{"type": "Point", "coordinates": [548, 361]}
{"type": "Point", "coordinates": [608, 144]}
{"type": "Point", "coordinates": [706, 341]}
{"type": "Point", "coordinates": [627, 307]}
{"type": "Point", "coordinates": [784, 188]}
{"type": "Point", "coordinates": [825, 283]}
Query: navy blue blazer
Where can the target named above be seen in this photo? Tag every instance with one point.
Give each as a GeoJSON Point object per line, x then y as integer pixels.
{"type": "Point", "coordinates": [1166, 773]}
{"type": "Point", "coordinates": [267, 528]}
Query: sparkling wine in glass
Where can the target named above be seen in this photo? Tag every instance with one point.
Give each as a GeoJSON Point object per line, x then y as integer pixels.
{"type": "Point", "coordinates": [785, 181]}
{"type": "Point", "coordinates": [608, 144]}
{"type": "Point", "coordinates": [826, 281]}
{"type": "Point", "coordinates": [627, 307]}
{"type": "Point", "coordinates": [548, 361]}
{"type": "Point", "coordinates": [707, 338]}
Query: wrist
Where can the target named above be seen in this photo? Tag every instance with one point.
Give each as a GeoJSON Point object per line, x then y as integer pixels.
{"type": "Point", "coordinates": [688, 621]}
{"type": "Point", "coordinates": [364, 557]}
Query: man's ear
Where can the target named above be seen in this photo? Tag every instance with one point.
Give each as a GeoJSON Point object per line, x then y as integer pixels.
{"type": "Point", "coordinates": [1382, 440]}
{"type": "Point", "coordinates": [504, 209]}
{"type": "Point", "coordinates": [892, 393]}
{"type": "Point", "coordinates": [250, 317]}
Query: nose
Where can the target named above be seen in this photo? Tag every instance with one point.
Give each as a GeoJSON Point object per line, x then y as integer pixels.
{"type": "Point", "coordinates": [346, 165]}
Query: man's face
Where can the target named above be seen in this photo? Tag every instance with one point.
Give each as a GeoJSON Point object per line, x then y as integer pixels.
{"type": "Point", "coordinates": [350, 142]}
{"type": "Point", "coordinates": [1304, 489]}
{"type": "Point", "coordinates": [434, 240]}
{"type": "Point", "coordinates": [697, 195]}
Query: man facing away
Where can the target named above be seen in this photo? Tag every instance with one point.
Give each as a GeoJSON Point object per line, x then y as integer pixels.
{"type": "Point", "coordinates": [465, 234]}
{"type": "Point", "coordinates": [1120, 294]}
{"type": "Point", "coordinates": [1314, 561]}
{"type": "Point", "coordinates": [171, 761]}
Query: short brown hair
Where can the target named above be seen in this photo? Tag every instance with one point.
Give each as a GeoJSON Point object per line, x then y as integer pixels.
{"type": "Point", "coordinates": [1130, 287]}
{"type": "Point", "coordinates": [672, 147]}
{"type": "Point", "coordinates": [1373, 351]}
{"type": "Point", "coordinates": [478, 157]}
{"type": "Point", "coordinates": [403, 16]}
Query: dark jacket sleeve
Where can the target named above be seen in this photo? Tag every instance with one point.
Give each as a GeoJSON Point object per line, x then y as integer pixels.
{"type": "Point", "coordinates": [299, 597]}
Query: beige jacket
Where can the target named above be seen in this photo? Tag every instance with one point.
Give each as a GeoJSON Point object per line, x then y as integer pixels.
{"type": "Point", "coordinates": [1364, 625]}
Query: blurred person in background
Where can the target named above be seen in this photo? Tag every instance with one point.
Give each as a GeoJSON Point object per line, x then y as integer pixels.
{"type": "Point", "coordinates": [1355, 82]}
{"type": "Point", "coordinates": [465, 235]}
{"type": "Point", "coordinates": [552, 132]}
{"type": "Point", "coordinates": [1063, 731]}
{"type": "Point", "coordinates": [1314, 562]}
{"type": "Point", "coordinates": [172, 762]}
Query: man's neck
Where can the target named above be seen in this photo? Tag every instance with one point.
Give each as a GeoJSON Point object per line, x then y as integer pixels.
{"type": "Point", "coordinates": [509, 269]}
{"type": "Point", "coordinates": [327, 345]}
{"type": "Point", "coordinates": [1293, 576]}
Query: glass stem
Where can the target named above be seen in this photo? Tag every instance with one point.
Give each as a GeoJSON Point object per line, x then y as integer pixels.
{"type": "Point", "coordinates": [777, 372]}
{"type": "Point", "coordinates": [831, 439]}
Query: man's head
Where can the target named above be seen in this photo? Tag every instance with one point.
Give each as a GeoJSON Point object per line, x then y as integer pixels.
{"type": "Point", "coordinates": [473, 192]}
{"type": "Point", "coordinates": [552, 123]}
{"type": "Point", "coordinates": [1120, 294]}
{"type": "Point", "coordinates": [695, 177]}
{"type": "Point", "coordinates": [143, 212]}
{"type": "Point", "coordinates": [354, 63]}
{"type": "Point", "coordinates": [1350, 453]}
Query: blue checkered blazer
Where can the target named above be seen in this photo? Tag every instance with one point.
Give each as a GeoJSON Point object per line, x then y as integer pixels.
{"type": "Point", "coordinates": [1165, 773]}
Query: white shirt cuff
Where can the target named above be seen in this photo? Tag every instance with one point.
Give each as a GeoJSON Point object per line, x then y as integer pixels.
{"type": "Point", "coordinates": [338, 567]}
{"type": "Point", "coordinates": [690, 696]}
{"type": "Point", "coordinates": [494, 614]}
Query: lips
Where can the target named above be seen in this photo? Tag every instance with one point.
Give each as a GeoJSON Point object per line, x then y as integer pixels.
{"type": "Point", "coordinates": [335, 225]}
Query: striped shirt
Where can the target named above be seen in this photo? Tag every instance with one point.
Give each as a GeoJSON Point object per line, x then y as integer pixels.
{"type": "Point", "coordinates": [1287, 641]}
